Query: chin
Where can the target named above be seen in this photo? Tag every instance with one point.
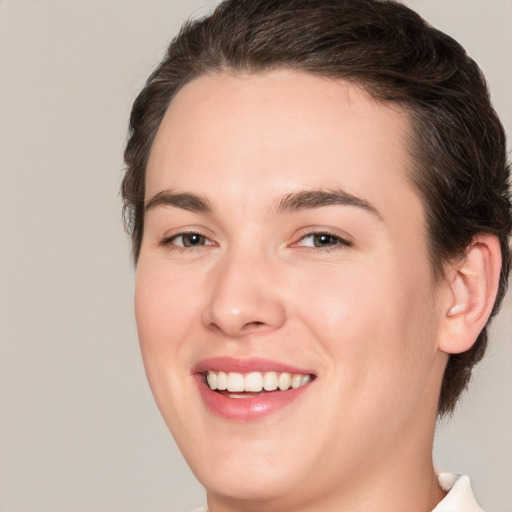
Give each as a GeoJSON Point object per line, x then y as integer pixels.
{"type": "Point", "coordinates": [245, 469]}
{"type": "Point", "coordinates": [251, 483]}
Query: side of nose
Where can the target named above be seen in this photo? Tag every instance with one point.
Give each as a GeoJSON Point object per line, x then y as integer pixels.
{"type": "Point", "coordinates": [243, 296]}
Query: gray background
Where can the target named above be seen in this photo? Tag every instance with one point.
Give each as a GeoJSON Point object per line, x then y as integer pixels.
{"type": "Point", "coordinates": [78, 429]}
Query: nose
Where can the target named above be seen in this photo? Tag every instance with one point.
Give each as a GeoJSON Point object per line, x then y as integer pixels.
{"type": "Point", "coordinates": [244, 297]}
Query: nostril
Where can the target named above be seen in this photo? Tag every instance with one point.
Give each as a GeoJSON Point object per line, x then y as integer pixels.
{"type": "Point", "coordinates": [252, 325]}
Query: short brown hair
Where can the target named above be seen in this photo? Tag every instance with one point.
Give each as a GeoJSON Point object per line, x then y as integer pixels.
{"type": "Point", "coordinates": [458, 146]}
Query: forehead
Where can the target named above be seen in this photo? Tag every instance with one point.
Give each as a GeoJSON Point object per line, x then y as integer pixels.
{"type": "Point", "coordinates": [261, 135]}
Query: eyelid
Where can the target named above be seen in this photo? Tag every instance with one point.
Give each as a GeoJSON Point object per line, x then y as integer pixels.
{"type": "Point", "coordinates": [167, 240]}
{"type": "Point", "coordinates": [345, 240]}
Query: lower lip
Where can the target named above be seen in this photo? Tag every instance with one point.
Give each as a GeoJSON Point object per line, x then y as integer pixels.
{"type": "Point", "coordinates": [250, 408]}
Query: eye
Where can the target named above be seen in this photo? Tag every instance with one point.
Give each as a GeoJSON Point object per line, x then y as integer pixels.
{"type": "Point", "coordinates": [322, 240]}
{"type": "Point", "coordinates": [187, 240]}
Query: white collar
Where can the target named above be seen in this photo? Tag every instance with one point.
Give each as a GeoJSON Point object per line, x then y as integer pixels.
{"type": "Point", "coordinates": [460, 496]}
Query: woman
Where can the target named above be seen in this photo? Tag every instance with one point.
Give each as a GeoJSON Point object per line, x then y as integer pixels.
{"type": "Point", "coordinates": [315, 271]}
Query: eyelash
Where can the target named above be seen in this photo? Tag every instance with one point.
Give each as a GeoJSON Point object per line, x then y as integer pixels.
{"type": "Point", "coordinates": [339, 241]}
{"type": "Point", "coordinates": [169, 242]}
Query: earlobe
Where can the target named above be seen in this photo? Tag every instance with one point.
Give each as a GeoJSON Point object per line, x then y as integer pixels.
{"type": "Point", "coordinates": [473, 285]}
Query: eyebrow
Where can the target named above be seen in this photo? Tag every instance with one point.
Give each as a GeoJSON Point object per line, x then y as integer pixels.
{"type": "Point", "coordinates": [310, 199]}
{"type": "Point", "coordinates": [293, 202]}
{"type": "Point", "coordinates": [186, 201]}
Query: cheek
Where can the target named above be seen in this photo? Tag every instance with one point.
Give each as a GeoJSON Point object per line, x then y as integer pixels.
{"type": "Point", "coordinates": [164, 304]}
{"type": "Point", "coordinates": [166, 315]}
{"type": "Point", "coordinates": [373, 322]}
{"type": "Point", "coordinates": [375, 332]}
{"type": "Point", "coordinates": [341, 304]}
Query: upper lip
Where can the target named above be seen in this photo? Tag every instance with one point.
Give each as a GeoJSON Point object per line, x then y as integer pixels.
{"type": "Point", "coordinates": [246, 365]}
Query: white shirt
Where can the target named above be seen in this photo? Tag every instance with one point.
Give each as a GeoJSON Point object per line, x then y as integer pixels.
{"type": "Point", "coordinates": [459, 498]}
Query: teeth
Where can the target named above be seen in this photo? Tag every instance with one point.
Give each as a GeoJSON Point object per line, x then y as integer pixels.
{"type": "Point", "coordinates": [270, 381]}
{"type": "Point", "coordinates": [211, 378]}
{"type": "Point", "coordinates": [296, 380]}
{"type": "Point", "coordinates": [285, 381]}
{"type": "Point", "coordinates": [236, 382]}
{"type": "Point", "coordinates": [254, 382]}
{"type": "Point", "coordinates": [305, 379]}
{"type": "Point", "coordinates": [222, 381]}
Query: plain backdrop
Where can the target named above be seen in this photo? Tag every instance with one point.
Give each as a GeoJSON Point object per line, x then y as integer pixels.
{"type": "Point", "coordinates": [78, 429]}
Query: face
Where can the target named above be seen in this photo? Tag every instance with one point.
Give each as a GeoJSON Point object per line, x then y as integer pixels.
{"type": "Point", "coordinates": [284, 257]}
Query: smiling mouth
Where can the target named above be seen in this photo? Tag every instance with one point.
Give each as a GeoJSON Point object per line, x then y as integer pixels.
{"type": "Point", "coordinates": [245, 385]}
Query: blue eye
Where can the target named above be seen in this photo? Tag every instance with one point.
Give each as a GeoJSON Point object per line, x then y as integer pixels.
{"type": "Point", "coordinates": [322, 240]}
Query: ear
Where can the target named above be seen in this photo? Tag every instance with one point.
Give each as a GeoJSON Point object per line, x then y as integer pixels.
{"type": "Point", "coordinates": [471, 285]}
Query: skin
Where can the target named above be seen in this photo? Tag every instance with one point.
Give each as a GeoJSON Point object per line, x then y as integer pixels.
{"type": "Point", "coordinates": [365, 317]}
